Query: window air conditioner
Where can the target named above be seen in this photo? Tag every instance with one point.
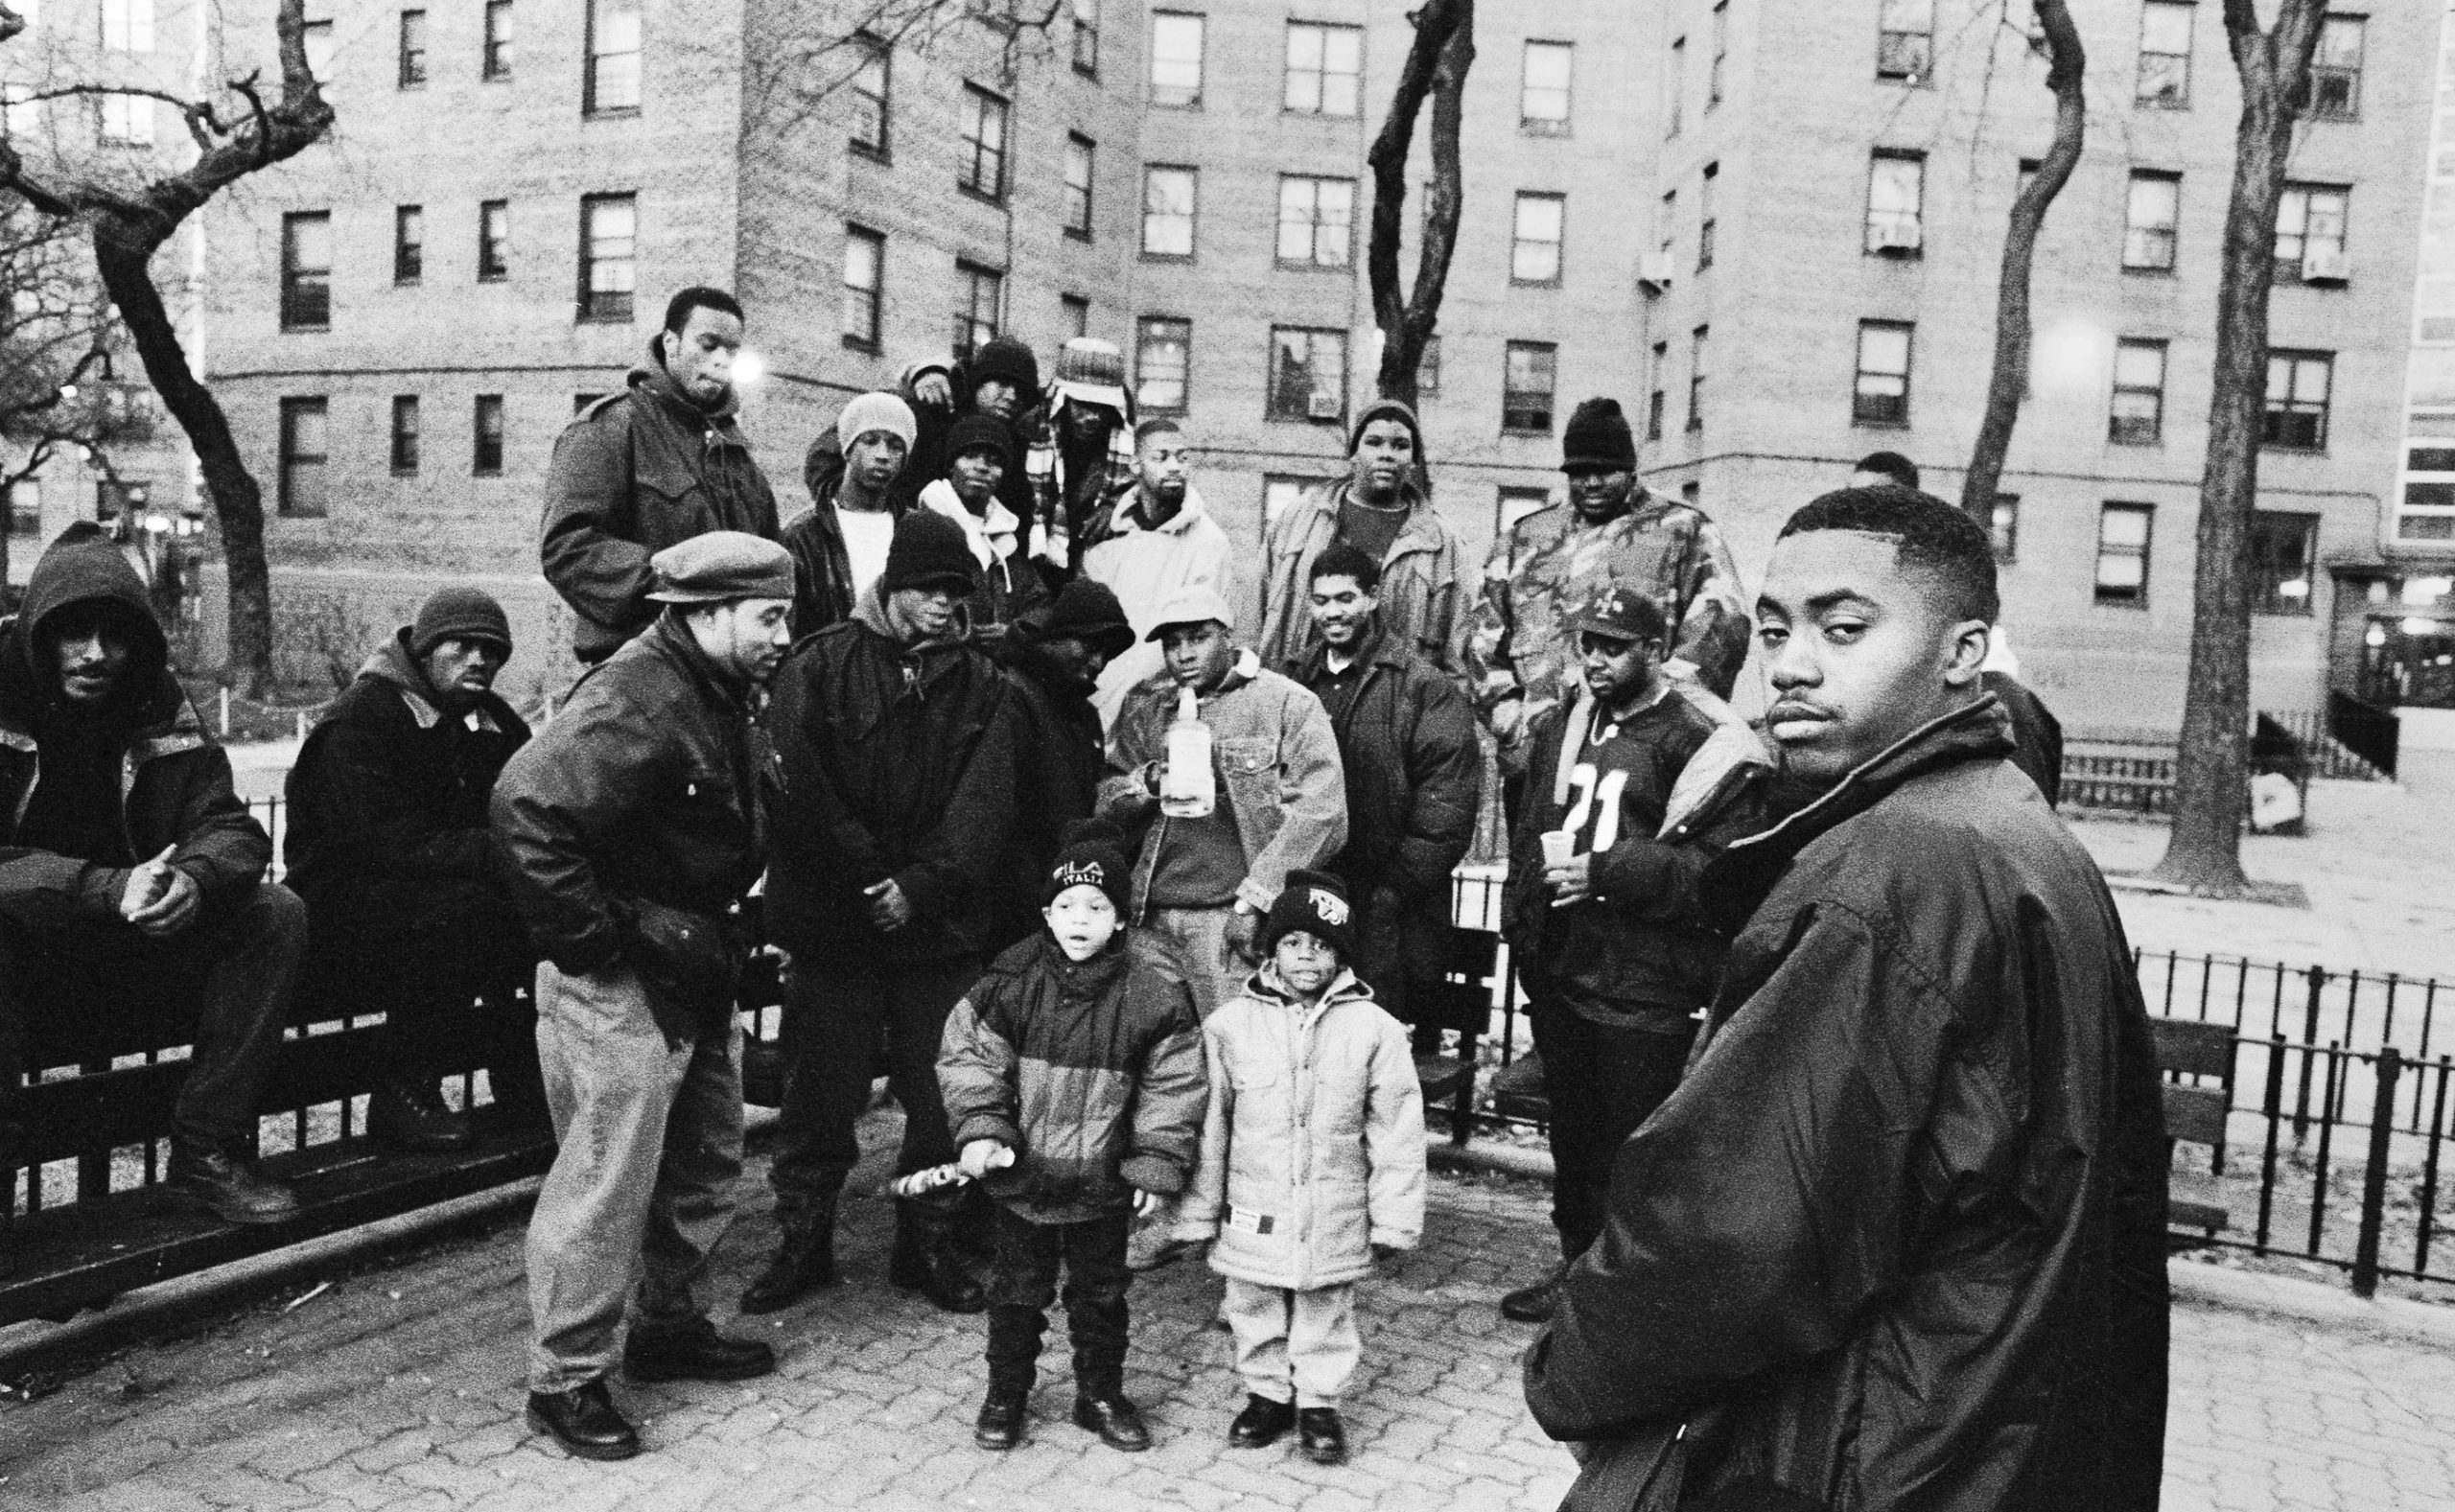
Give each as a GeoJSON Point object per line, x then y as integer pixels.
{"type": "Point", "coordinates": [2324, 264]}
{"type": "Point", "coordinates": [1897, 236]}
{"type": "Point", "coordinates": [1653, 272]}
{"type": "Point", "coordinates": [1325, 407]}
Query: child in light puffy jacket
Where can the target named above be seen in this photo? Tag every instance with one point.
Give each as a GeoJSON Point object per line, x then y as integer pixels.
{"type": "Point", "coordinates": [1072, 1073]}
{"type": "Point", "coordinates": [1312, 1165]}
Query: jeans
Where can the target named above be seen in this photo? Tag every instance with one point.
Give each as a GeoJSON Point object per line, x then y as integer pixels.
{"type": "Point", "coordinates": [1199, 936]}
{"type": "Point", "coordinates": [1290, 1344]}
{"type": "Point", "coordinates": [1024, 1282]}
{"type": "Point", "coordinates": [1602, 1083]}
{"type": "Point", "coordinates": [835, 1014]}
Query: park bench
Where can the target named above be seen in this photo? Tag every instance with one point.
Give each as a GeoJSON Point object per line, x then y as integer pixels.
{"type": "Point", "coordinates": [2195, 1109]}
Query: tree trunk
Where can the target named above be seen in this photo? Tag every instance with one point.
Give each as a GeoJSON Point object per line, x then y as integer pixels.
{"type": "Point", "coordinates": [1436, 63]}
{"type": "Point", "coordinates": [2065, 76]}
{"type": "Point", "coordinates": [2212, 786]}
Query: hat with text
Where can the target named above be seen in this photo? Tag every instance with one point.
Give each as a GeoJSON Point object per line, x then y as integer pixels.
{"type": "Point", "coordinates": [1093, 854]}
{"type": "Point", "coordinates": [1315, 902]}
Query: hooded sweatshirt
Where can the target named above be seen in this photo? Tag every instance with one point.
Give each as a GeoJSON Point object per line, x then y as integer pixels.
{"type": "Point", "coordinates": [1146, 566]}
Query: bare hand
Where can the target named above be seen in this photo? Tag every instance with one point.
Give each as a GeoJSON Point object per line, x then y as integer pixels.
{"type": "Point", "coordinates": [932, 388]}
{"type": "Point", "coordinates": [890, 910]}
{"type": "Point", "coordinates": [146, 885]}
{"type": "Point", "coordinates": [1146, 1203]}
{"type": "Point", "coordinates": [983, 1156]}
{"type": "Point", "coordinates": [1244, 935]}
{"type": "Point", "coordinates": [1572, 881]}
{"type": "Point", "coordinates": [175, 910]}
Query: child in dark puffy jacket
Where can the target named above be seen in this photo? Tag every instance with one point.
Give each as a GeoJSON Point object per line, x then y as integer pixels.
{"type": "Point", "coordinates": [1074, 1086]}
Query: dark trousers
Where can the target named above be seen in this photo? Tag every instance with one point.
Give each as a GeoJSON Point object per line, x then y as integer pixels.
{"type": "Point", "coordinates": [84, 988]}
{"type": "Point", "coordinates": [449, 973]}
{"type": "Point", "coordinates": [1602, 1081]}
{"type": "Point", "coordinates": [1024, 1283]}
{"type": "Point", "coordinates": [835, 1014]}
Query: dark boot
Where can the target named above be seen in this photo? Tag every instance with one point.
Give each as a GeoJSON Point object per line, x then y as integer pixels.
{"type": "Point", "coordinates": [584, 1421]}
{"type": "Point", "coordinates": [1001, 1423]}
{"type": "Point", "coordinates": [229, 1188]}
{"type": "Point", "coordinates": [1117, 1421]}
{"type": "Point", "coordinates": [410, 1114]}
{"type": "Point", "coordinates": [1322, 1434]}
{"type": "Point", "coordinates": [1532, 1304]}
{"type": "Point", "coordinates": [1262, 1423]}
{"type": "Point", "coordinates": [692, 1351]}
{"type": "Point", "coordinates": [925, 1261]}
{"type": "Point", "coordinates": [805, 1261]}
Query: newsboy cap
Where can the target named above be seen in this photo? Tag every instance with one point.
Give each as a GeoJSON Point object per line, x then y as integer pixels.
{"type": "Point", "coordinates": [720, 567]}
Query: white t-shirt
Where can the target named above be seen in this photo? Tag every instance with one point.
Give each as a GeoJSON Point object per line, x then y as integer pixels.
{"type": "Point", "coordinates": [867, 534]}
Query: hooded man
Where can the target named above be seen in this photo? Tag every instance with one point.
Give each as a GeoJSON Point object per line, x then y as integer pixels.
{"type": "Point", "coordinates": [631, 828]}
{"type": "Point", "coordinates": [1085, 457]}
{"type": "Point", "coordinates": [132, 890]}
{"type": "Point", "coordinates": [390, 846]}
{"type": "Point", "coordinates": [897, 741]}
{"type": "Point", "coordinates": [1054, 657]}
{"type": "Point", "coordinates": [1380, 509]}
{"type": "Point", "coordinates": [650, 467]}
{"type": "Point", "coordinates": [839, 548]}
{"type": "Point", "coordinates": [999, 379]}
{"type": "Point", "coordinates": [980, 454]}
{"type": "Point", "coordinates": [1152, 546]}
{"type": "Point", "coordinates": [1899, 1238]}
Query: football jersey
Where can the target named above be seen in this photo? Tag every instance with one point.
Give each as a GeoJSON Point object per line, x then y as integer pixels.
{"type": "Point", "coordinates": [1617, 787]}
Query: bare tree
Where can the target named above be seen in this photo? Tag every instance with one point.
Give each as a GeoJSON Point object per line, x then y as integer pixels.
{"type": "Point", "coordinates": [239, 132]}
{"type": "Point", "coordinates": [2066, 70]}
{"type": "Point", "coordinates": [2204, 851]}
{"type": "Point", "coordinates": [1437, 62]}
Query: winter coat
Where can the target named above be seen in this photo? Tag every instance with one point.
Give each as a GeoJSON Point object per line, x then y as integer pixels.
{"type": "Point", "coordinates": [1898, 1240]}
{"type": "Point", "coordinates": [898, 763]}
{"type": "Point", "coordinates": [1145, 567]}
{"type": "Point", "coordinates": [1091, 1071]}
{"type": "Point", "coordinates": [635, 473]}
{"type": "Point", "coordinates": [172, 781]}
{"type": "Point", "coordinates": [643, 795]}
{"type": "Point", "coordinates": [1520, 657]}
{"type": "Point", "coordinates": [822, 591]}
{"type": "Point", "coordinates": [388, 837]}
{"type": "Point", "coordinates": [1064, 506]}
{"type": "Point", "coordinates": [1060, 757]}
{"type": "Point", "coordinates": [2037, 735]}
{"type": "Point", "coordinates": [925, 461]}
{"type": "Point", "coordinates": [1007, 586]}
{"type": "Point", "coordinates": [1643, 937]}
{"type": "Point", "coordinates": [1420, 594]}
{"type": "Point", "coordinates": [1277, 763]}
{"type": "Point", "coordinates": [1313, 1149]}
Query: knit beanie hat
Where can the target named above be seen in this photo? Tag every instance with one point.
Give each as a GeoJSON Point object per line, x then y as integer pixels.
{"type": "Point", "coordinates": [980, 430]}
{"type": "Point", "coordinates": [875, 411]}
{"type": "Point", "coordinates": [1315, 904]}
{"type": "Point", "coordinates": [1386, 410]}
{"type": "Point", "coordinates": [928, 549]}
{"type": "Point", "coordinates": [1597, 435]}
{"type": "Point", "coordinates": [1087, 611]}
{"type": "Point", "coordinates": [1005, 358]}
{"type": "Point", "coordinates": [468, 613]}
{"type": "Point", "coordinates": [1091, 855]}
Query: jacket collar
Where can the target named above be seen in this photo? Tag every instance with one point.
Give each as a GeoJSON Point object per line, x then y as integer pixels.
{"type": "Point", "coordinates": [391, 662]}
{"type": "Point", "coordinates": [1420, 532]}
{"type": "Point", "coordinates": [653, 380]}
{"type": "Point", "coordinates": [1645, 506]}
{"type": "Point", "coordinates": [870, 614]}
{"type": "Point", "coordinates": [1126, 518]}
{"type": "Point", "coordinates": [1379, 649]}
{"type": "Point", "coordinates": [672, 640]}
{"type": "Point", "coordinates": [1345, 988]}
{"type": "Point", "coordinates": [992, 537]}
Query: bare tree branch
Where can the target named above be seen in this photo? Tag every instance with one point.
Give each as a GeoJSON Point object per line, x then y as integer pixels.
{"type": "Point", "coordinates": [1435, 68]}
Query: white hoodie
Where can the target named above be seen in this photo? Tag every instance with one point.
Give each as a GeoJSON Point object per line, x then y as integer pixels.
{"type": "Point", "coordinates": [1145, 568]}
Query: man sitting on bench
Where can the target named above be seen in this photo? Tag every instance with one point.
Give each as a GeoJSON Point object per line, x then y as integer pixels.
{"type": "Point", "coordinates": [131, 877]}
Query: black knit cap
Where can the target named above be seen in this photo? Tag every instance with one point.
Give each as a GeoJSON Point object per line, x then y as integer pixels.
{"type": "Point", "coordinates": [1088, 612]}
{"type": "Point", "coordinates": [979, 431]}
{"type": "Point", "coordinates": [1005, 358]}
{"type": "Point", "coordinates": [928, 549]}
{"type": "Point", "coordinates": [1093, 854]}
{"type": "Point", "coordinates": [459, 612]}
{"type": "Point", "coordinates": [1315, 904]}
{"type": "Point", "coordinates": [1597, 435]}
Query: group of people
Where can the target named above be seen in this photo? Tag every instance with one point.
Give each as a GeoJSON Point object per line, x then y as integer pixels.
{"type": "Point", "coordinates": [1859, 1162]}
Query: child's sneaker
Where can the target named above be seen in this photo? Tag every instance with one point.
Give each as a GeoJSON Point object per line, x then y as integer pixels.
{"type": "Point", "coordinates": [1001, 1423]}
{"type": "Point", "coordinates": [1262, 1423]}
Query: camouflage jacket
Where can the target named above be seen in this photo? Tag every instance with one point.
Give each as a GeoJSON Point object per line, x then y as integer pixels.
{"type": "Point", "coordinates": [1551, 563]}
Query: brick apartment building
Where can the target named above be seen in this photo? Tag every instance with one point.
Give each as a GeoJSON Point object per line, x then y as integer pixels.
{"type": "Point", "coordinates": [1770, 227]}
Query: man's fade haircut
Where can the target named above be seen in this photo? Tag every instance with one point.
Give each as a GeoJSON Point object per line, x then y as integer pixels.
{"type": "Point", "coordinates": [1157, 424]}
{"type": "Point", "coordinates": [1344, 559]}
{"type": "Point", "coordinates": [699, 296]}
{"type": "Point", "coordinates": [1891, 464]}
{"type": "Point", "coordinates": [1932, 537]}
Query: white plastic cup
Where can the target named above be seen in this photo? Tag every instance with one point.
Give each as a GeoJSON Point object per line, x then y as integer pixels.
{"type": "Point", "coordinates": [1560, 847]}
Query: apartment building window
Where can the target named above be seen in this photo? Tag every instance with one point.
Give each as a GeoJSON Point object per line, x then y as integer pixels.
{"type": "Point", "coordinates": [1080, 152]}
{"type": "Point", "coordinates": [485, 437]}
{"type": "Point", "coordinates": [1307, 374]}
{"type": "Point", "coordinates": [128, 24]}
{"type": "Point", "coordinates": [25, 507]}
{"type": "Point", "coordinates": [2164, 54]}
{"type": "Point", "coordinates": [1530, 387]}
{"type": "Point", "coordinates": [2309, 235]}
{"type": "Point", "coordinates": [864, 287]}
{"type": "Point", "coordinates": [1074, 315]}
{"type": "Point", "coordinates": [1721, 52]}
{"type": "Point", "coordinates": [1512, 504]}
{"type": "Point", "coordinates": [495, 64]}
{"type": "Point", "coordinates": [1162, 363]}
{"type": "Point", "coordinates": [2149, 222]}
{"type": "Point", "coordinates": [2003, 527]}
{"type": "Point", "coordinates": [299, 490]}
{"type": "Point", "coordinates": [1428, 369]}
{"type": "Point", "coordinates": [1167, 211]}
{"type": "Point", "coordinates": [412, 48]}
{"type": "Point", "coordinates": [984, 143]}
{"type": "Point", "coordinates": [2298, 387]}
{"type": "Point", "coordinates": [1897, 203]}
{"type": "Point", "coordinates": [1668, 224]}
{"type": "Point", "coordinates": [126, 120]}
{"type": "Point", "coordinates": [2138, 416]}
{"type": "Point", "coordinates": [494, 240]}
{"type": "Point", "coordinates": [871, 84]}
{"type": "Point", "coordinates": [1176, 60]}
{"type": "Point", "coordinates": [1696, 343]}
{"type": "Point", "coordinates": [1678, 87]}
{"type": "Point", "coordinates": [2123, 533]}
{"type": "Point", "coordinates": [1659, 397]}
{"type": "Point", "coordinates": [980, 304]}
{"type": "Point", "coordinates": [2335, 72]}
{"type": "Point", "coordinates": [1543, 88]}
{"type": "Point", "coordinates": [1881, 396]}
{"type": "Point", "coordinates": [1705, 217]}
{"type": "Point", "coordinates": [2283, 548]}
{"type": "Point", "coordinates": [609, 229]}
{"type": "Point", "coordinates": [1905, 41]}
{"type": "Point", "coordinates": [408, 243]}
{"type": "Point", "coordinates": [612, 81]}
{"type": "Point", "coordinates": [1534, 238]}
{"type": "Point", "coordinates": [317, 36]}
{"type": "Point", "coordinates": [1087, 37]}
{"type": "Point", "coordinates": [307, 270]}
{"type": "Point", "coordinates": [1316, 221]}
{"type": "Point", "coordinates": [1280, 492]}
{"type": "Point", "coordinates": [405, 435]}
{"type": "Point", "coordinates": [1324, 69]}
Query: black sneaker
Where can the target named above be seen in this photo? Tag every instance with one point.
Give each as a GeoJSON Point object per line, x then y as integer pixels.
{"type": "Point", "coordinates": [413, 1115]}
{"type": "Point", "coordinates": [229, 1188]}
{"type": "Point", "coordinates": [584, 1421]}
{"type": "Point", "coordinates": [1001, 1423]}
{"type": "Point", "coordinates": [1262, 1423]}
{"type": "Point", "coordinates": [1322, 1434]}
{"type": "Point", "coordinates": [694, 1351]}
{"type": "Point", "coordinates": [1117, 1421]}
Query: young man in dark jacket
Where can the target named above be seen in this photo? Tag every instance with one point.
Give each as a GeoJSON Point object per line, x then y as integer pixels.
{"type": "Point", "coordinates": [1609, 938]}
{"type": "Point", "coordinates": [389, 844]}
{"type": "Point", "coordinates": [839, 548]}
{"type": "Point", "coordinates": [645, 469]}
{"type": "Point", "coordinates": [1414, 777]}
{"type": "Point", "coordinates": [897, 741]}
{"type": "Point", "coordinates": [1899, 1239]}
{"type": "Point", "coordinates": [630, 829]}
{"type": "Point", "coordinates": [132, 899]}
{"type": "Point", "coordinates": [1054, 658]}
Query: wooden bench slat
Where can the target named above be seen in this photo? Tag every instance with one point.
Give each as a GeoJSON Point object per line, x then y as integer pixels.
{"type": "Point", "coordinates": [2195, 1114]}
{"type": "Point", "coordinates": [2192, 1047]}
